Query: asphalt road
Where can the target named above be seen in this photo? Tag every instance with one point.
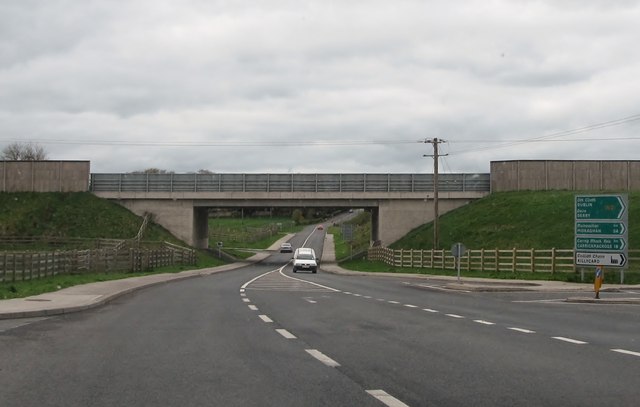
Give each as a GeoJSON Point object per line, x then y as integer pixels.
{"type": "Point", "coordinates": [263, 336]}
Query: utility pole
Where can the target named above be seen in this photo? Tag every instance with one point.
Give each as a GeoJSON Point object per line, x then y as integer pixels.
{"type": "Point", "coordinates": [436, 229]}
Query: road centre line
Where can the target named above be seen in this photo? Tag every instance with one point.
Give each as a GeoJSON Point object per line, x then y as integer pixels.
{"type": "Point", "coordinates": [522, 330]}
{"type": "Point", "coordinates": [286, 334]}
{"type": "Point", "coordinates": [265, 318]}
{"type": "Point", "coordinates": [626, 352]}
{"type": "Point", "coordinates": [569, 340]}
{"type": "Point", "coordinates": [322, 357]}
{"type": "Point", "coordinates": [386, 398]}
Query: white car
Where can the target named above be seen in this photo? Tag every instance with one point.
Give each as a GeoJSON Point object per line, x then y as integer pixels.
{"type": "Point", "coordinates": [305, 259]}
{"type": "Point", "coordinates": [286, 248]}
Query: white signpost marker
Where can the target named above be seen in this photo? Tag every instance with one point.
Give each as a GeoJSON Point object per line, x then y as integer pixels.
{"type": "Point", "coordinates": [602, 231]}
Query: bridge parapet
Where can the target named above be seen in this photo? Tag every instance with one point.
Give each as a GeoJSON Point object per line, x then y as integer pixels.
{"type": "Point", "coordinates": [316, 183]}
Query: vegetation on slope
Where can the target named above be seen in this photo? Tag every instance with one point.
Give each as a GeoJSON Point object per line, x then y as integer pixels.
{"type": "Point", "coordinates": [71, 215]}
{"type": "Point", "coordinates": [525, 219]}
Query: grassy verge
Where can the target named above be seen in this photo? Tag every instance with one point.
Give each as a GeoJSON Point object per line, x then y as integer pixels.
{"type": "Point", "coordinates": [361, 225]}
{"type": "Point", "coordinates": [21, 289]}
{"type": "Point", "coordinates": [611, 277]}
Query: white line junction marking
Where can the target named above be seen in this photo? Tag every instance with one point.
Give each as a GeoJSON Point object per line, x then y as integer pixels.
{"type": "Point", "coordinates": [626, 352]}
{"type": "Point", "coordinates": [569, 340]}
{"type": "Point", "coordinates": [386, 398]}
{"type": "Point", "coordinates": [322, 357]}
{"type": "Point", "coordinates": [522, 330]}
{"type": "Point", "coordinates": [286, 334]}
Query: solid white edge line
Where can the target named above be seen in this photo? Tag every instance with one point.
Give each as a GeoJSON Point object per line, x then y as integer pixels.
{"type": "Point", "coordinates": [322, 357]}
{"type": "Point", "coordinates": [286, 334]}
{"type": "Point", "coordinates": [386, 398]}
{"type": "Point", "coordinates": [265, 318]}
{"type": "Point", "coordinates": [569, 340]}
{"type": "Point", "coordinates": [305, 281]}
{"type": "Point", "coordinates": [626, 352]}
{"type": "Point", "coordinates": [522, 330]}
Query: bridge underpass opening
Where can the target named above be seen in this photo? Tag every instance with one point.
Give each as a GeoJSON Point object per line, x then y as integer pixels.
{"type": "Point", "coordinates": [285, 217]}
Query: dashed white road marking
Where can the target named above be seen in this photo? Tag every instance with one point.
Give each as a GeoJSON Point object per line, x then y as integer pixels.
{"type": "Point", "coordinates": [246, 300]}
{"type": "Point", "coordinates": [454, 315]}
{"type": "Point", "coordinates": [574, 341]}
{"type": "Point", "coordinates": [357, 295]}
{"type": "Point", "coordinates": [380, 299]}
{"type": "Point", "coordinates": [286, 334]}
{"type": "Point", "coordinates": [243, 294]}
{"type": "Point", "coordinates": [367, 297]}
{"type": "Point", "coordinates": [346, 292]}
{"type": "Point", "coordinates": [310, 301]}
{"type": "Point", "coordinates": [480, 321]}
{"type": "Point", "coordinates": [386, 398]}
{"type": "Point", "coordinates": [253, 308]}
{"type": "Point", "coordinates": [433, 311]}
{"type": "Point", "coordinates": [393, 302]}
{"type": "Point", "coordinates": [522, 330]}
{"type": "Point", "coordinates": [410, 306]}
{"type": "Point", "coordinates": [322, 357]}
{"type": "Point", "coordinates": [265, 318]}
{"type": "Point", "coordinates": [626, 352]}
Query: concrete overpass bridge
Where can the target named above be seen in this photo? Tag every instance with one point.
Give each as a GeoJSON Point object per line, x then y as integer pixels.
{"type": "Point", "coordinates": [180, 202]}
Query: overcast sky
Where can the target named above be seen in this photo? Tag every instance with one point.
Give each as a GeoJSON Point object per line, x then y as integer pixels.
{"type": "Point", "coordinates": [319, 85]}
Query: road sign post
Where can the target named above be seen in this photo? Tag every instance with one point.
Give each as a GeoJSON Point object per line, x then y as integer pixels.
{"type": "Point", "coordinates": [601, 231]}
{"type": "Point", "coordinates": [458, 250]}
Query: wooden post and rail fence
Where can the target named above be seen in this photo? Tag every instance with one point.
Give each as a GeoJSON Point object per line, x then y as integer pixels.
{"type": "Point", "coordinates": [492, 260]}
{"type": "Point", "coordinates": [29, 265]}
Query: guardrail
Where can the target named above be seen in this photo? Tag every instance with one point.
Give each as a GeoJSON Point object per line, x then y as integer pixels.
{"type": "Point", "coordinates": [288, 182]}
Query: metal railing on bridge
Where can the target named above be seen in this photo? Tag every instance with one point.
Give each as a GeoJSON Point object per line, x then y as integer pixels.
{"type": "Point", "coordinates": [288, 182]}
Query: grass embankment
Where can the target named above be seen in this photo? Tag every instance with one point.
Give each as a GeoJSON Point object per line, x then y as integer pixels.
{"type": "Point", "coordinates": [538, 220]}
{"type": "Point", "coordinates": [361, 236]}
{"type": "Point", "coordinates": [78, 216]}
{"type": "Point", "coordinates": [71, 215]}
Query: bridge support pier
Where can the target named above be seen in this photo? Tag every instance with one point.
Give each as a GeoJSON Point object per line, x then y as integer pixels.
{"type": "Point", "coordinates": [180, 217]}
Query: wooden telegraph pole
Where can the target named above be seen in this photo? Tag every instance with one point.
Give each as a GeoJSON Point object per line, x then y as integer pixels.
{"type": "Point", "coordinates": [436, 229]}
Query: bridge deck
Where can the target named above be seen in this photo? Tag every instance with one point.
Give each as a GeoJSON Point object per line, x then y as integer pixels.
{"type": "Point", "coordinates": [288, 182]}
